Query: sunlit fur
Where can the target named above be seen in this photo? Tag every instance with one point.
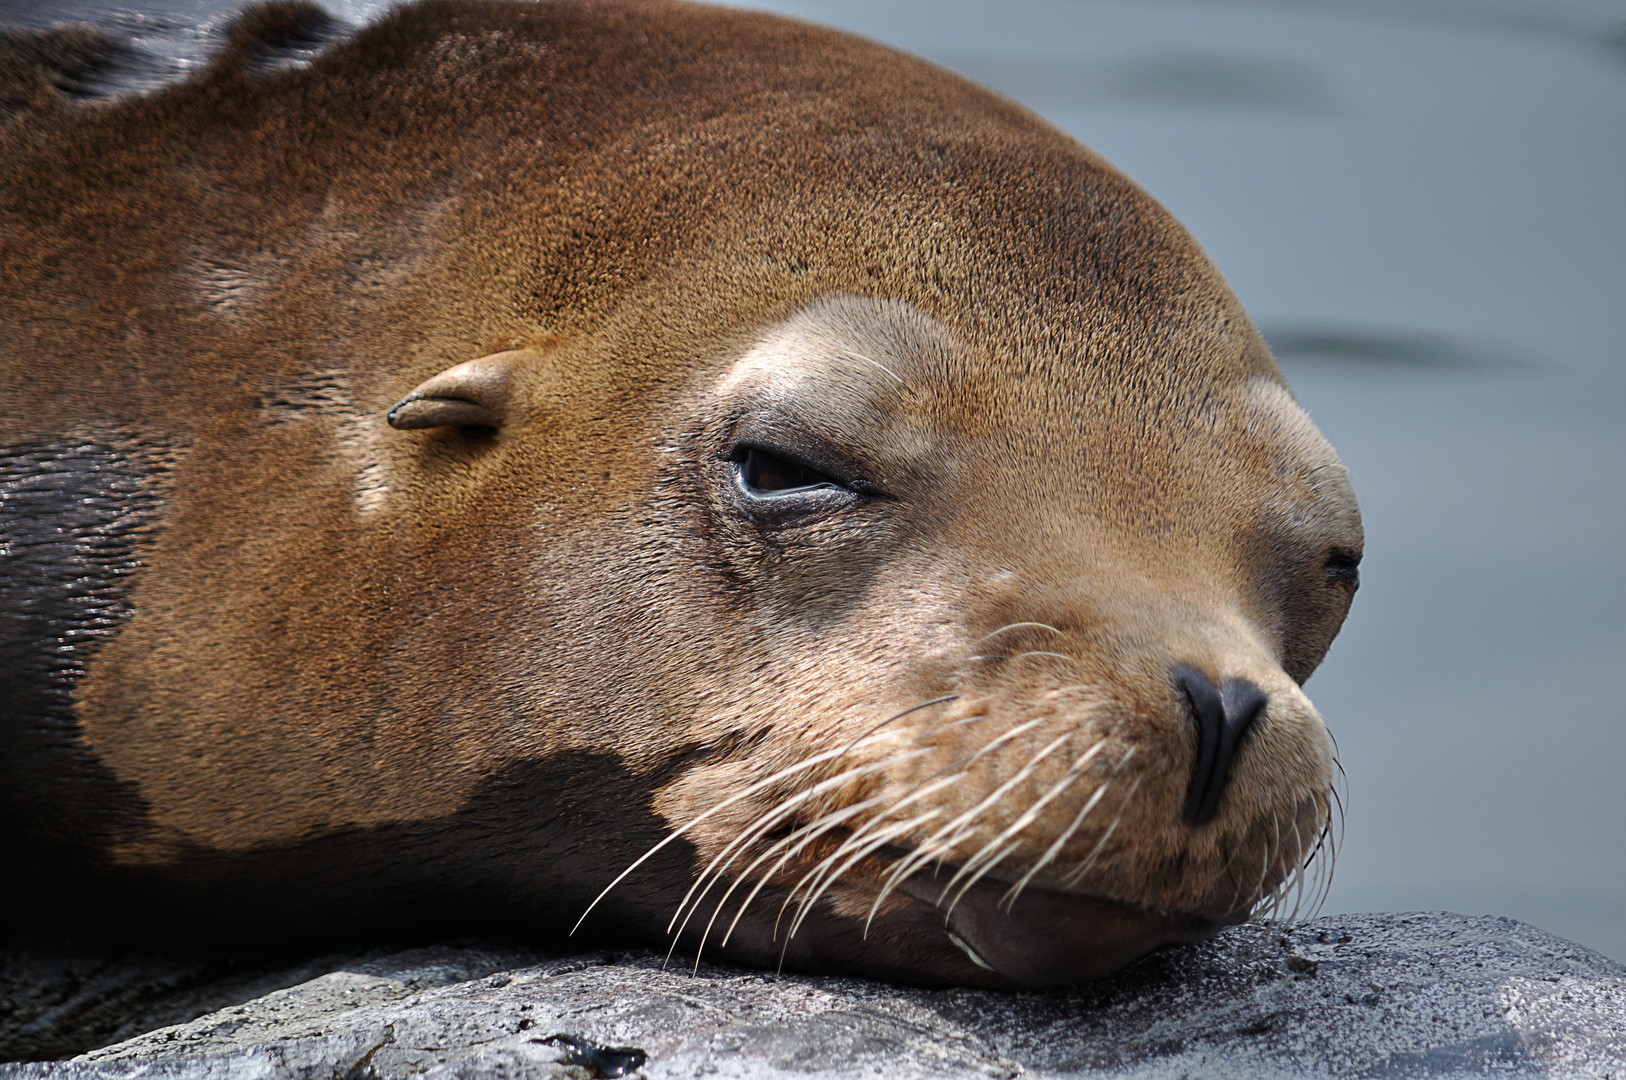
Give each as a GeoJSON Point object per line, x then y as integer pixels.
{"type": "Point", "coordinates": [1045, 745]}
{"type": "Point", "coordinates": [432, 677]}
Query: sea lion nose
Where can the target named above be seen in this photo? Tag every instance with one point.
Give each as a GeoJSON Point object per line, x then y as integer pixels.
{"type": "Point", "coordinates": [1223, 718]}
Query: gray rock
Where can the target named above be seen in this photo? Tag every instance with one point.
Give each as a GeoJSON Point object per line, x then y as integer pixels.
{"type": "Point", "coordinates": [58, 999]}
{"type": "Point", "coordinates": [1344, 996]}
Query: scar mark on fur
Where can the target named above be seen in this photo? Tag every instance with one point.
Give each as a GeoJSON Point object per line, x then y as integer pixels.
{"type": "Point", "coordinates": [224, 286]}
{"type": "Point", "coordinates": [360, 444]}
{"type": "Point", "coordinates": [356, 442]}
{"type": "Point", "coordinates": [315, 394]}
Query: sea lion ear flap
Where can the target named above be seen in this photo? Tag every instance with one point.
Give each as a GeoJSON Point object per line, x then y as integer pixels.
{"type": "Point", "coordinates": [474, 394]}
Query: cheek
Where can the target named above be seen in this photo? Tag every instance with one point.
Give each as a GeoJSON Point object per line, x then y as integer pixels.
{"type": "Point", "coordinates": [811, 572]}
{"type": "Point", "coordinates": [805, 685]}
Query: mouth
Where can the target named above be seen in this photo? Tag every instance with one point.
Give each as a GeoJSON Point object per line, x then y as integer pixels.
{"type": "Point", "coordinates": [1051, 938]}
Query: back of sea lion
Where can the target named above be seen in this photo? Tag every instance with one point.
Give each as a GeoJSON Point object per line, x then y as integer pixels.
{"type": "Point", "coordinates": [680, 463]}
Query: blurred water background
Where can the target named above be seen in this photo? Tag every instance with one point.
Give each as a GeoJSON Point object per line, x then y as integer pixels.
{"type": "Point", "coordinates": [1423, 204]}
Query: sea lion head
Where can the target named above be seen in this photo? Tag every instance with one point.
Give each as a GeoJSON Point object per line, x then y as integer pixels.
{"type": "Point", "coordinates": [889, 490]}
{"type": "Point", "coordinates": [1016, 633]}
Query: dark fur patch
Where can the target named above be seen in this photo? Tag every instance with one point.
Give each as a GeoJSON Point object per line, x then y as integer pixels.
{"type": "Point", "coordinates": [529, 850]}
{"type": "Point", "coordinates": [75, 519]}
{"type": "Point", "coordinates": [40, 67]}
{"type": "Point", "coordinates": [277, 36]}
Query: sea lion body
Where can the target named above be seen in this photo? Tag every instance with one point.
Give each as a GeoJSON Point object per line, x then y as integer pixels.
{"type": "Point", "coordinates": [867, 493]}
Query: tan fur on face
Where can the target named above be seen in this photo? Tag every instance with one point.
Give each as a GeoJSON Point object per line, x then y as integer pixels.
{"type": "Point", "coordinates": [1078, 463]}
{"type": "Point", "coordinates": [1051, 622]}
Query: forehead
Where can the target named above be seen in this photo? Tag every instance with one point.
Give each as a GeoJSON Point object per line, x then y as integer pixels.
{"type": "Point", "coordinates": [864, 364]}
{"type": "Point", "coordinates": [850, 351]}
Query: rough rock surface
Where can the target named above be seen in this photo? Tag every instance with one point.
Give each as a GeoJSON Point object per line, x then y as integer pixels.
{"type": "Point", "coordinates": [57, 999]}
{"type": "Point", "coordinates": [1344, 996]}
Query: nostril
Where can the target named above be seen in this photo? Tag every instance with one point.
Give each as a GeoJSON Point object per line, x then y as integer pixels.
{"type": "Point", "coordinates": [1223, 717]}
{"type": "Point", "coordinates": [1208, 711]}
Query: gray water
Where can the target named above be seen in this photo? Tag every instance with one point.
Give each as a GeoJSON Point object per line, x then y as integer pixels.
{"type": "Point", "coordinates": [1423, 204]}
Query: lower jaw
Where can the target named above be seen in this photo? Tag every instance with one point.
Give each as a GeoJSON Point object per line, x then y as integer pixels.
{"type": "Point", "coordinates": [1051, 938]}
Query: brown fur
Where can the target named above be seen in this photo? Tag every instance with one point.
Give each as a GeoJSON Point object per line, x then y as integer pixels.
{"type": "Point", "coordinates": [474, 670]}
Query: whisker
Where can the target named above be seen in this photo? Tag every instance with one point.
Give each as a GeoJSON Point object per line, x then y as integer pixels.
{"type": "Point", "coordinates": [920, 791]}
{"type": "Point", "coordinates": [813, 878]}
{"type": "Point", "coordinates": [1278, 866]}
{"type": "Point", "coordinates": [1313, 864]}
{"type": "Point", "coordinates": [827, 822]}
{"type": "Point", "coordinates": [1268, 864]}
{"type": "Point", "coordinates": [950, 834]}
{"type": "Point", "coordinates": [789, 854]}
{"type": "Point", "coordinates": [883, 838]}
{"type": "Point", "coordinates": [877, 363]}
{"type": "Point", "coordinates": [744, 793]}
{"type": "Point", "coordinates": [1334, 839]}
{"type": "Point", "coordinates": [1275, 894]}
{"type": "Point", "coordinates": [935, 842]}
{"type": "Point", "coordinates": [866, 739]}
{"type": "Point", "coordinates": [1336, 809]}
{"type": "Point", "coordinates": [940, 728]}
{"type": "Point", "coordinates": [1009, 899]}
{"type": "Point", "coordinates": [766, 821]}
{"type": "Point", "coordinates": [1298, 875]}
{"type": "Point", "coordinates": [1037, 652]}
{"type": "Point", "coordinates": [1019, 626]}
{"type": "Point", "coordinates": [1317, 874]}
{"type": "Point", "coordinates": [890, 884]}
{"type": "Point", "coordinates": [1271, 898]}
{"type": "Point", "coordinates": [1321, 858]}
{"type": "Point", "coordinates": [994, 744]}
{"type": "Point", "coordinates": [1020, 823]}
{"type": "Point", "coordinates": [1330, 859]}
{"type": "Point", "coordinates": [966, 762]}
{"type": "Point", "coordinates": [900, 715]}
{"type": "Point", "coordinates": [763, 824]}
{"type": "Point", "coordinates": [948, 912]}
{"type": "Point", "coordinates": [1089, 861]}
{"type": "Point", "coordinates": [1090, 804]}
{"type": "Point", "coordinates": [1258, 898]}
{"type": "Point", "coordinates": [1236, 893]}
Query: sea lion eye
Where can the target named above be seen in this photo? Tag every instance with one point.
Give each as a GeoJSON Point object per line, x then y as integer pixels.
{"type": "Point", "coordinates": [765, 473]}
{"type": "Point", "coordinates": [1344, 568]}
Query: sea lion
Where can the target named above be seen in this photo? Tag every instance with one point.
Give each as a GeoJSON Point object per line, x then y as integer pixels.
{"type": "Point", "coordinates": [523, 455]}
